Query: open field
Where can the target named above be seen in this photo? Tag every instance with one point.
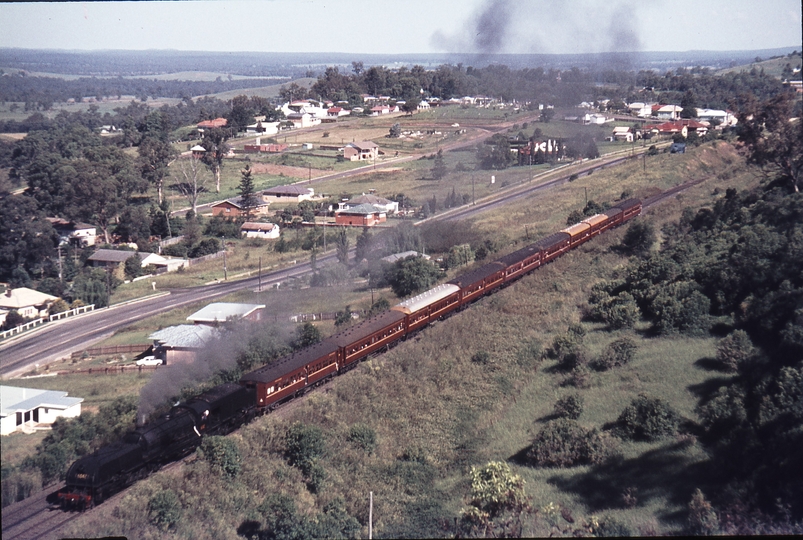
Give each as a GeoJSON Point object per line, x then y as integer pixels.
{"type": "Point", "coordinates": [427, 399]}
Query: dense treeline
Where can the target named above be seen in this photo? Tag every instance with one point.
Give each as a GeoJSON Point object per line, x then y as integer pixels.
{"type": "Point", "coordinates": [736, 266]}
{"type": "Point", "coordinates": [40, 93]}
{"type": "Point", "coordinates": [558, 87]}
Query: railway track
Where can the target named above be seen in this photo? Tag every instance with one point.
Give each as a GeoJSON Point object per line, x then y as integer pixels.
{"type": "Point", "coordinates": [35, 518]}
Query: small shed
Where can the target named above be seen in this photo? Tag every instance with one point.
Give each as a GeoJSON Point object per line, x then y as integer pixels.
{"type": "Point", "coordinates": [253, 229]}
{"type": "Point", "coordinates": [218, 312]}
{"type": "Point", "coordinates": [181, 344]}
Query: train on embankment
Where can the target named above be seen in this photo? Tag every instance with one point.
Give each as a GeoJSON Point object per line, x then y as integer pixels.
{"type": "Point", "coordinates": [95, 477]}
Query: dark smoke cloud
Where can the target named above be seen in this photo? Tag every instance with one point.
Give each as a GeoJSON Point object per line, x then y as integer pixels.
{"type": "Point", "coordinates": [547, 26]}
{"type": "Point", "coordinates": [492, 26]}
{"type": "Point", "coordinates": [219, 355]}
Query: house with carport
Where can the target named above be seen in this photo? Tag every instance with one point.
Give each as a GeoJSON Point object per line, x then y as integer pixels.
{"type": "Point", "coordinates": [255, 229]}
{"type": "Point", "coordinates": [361, 151]}
{"type": "Point", "coordinates": [182, 343]}
{"type": "Point", "coordinates": [27, 302]}
{"type": "Point", "coordinates": [289, 194]}
{"type": "Point", "coordinates": [220, 312]}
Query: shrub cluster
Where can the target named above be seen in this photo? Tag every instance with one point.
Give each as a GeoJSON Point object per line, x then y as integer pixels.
{"type": "Point", "coordinates": [304, 445]}
{"type": "Point", "coordinates": [617, 353]}
{"type": "Point", "coordinates": [570, 407]}
{"type": "Point", "coordinates": [648, 419]}
{"type": "Point", "coordinates": [565, 443]}
{"type": "Point", "coordinates": [363, 436]}
{"type": "Point", "coordinates": [222, 455]}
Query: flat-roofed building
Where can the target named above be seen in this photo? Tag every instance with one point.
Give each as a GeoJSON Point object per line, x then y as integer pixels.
{"type": "Point", "coordinates": [218, 312]}
{"type": "Point", "coordinates": [26, 409]}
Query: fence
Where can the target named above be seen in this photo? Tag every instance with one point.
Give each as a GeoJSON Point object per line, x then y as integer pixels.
{"type": "Point", "coordinates": [112, 370]}
{"type": "Point", "coordinates": [111, 349]}
{"type": "Point", "coordinates": [192, 262]}
{"type": "Point", "coordinates": [41, 320]}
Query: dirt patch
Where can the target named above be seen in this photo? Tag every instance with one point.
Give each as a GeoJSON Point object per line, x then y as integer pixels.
{"type": "Point", "coordinates": [295, 172]}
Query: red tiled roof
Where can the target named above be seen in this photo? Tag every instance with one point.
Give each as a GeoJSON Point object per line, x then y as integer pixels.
{"type": "Point", "coordinates": [216, 123]}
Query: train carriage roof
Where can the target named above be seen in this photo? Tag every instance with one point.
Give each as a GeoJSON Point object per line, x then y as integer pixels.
{"type": "Point", "coordinates": [519, 255]}
{"type": "Point", "coordinates": [478, 274]}
{"type": "Point", "coordinates": [367, 327]}
{"type": "Point", "coordinates": [629, 203]}
{"type": "Point", "coordinates": [612, 212]}
{"type": "Point", "coordinates": [552, 240]}
{"type": "Point", "coordinates": [291, 362]}
{"type": "Point", "coordinates": [595, 219]}
{"type": "Point", "coordinates": [416, 303]}
{"type": "Point", "coordinates": [577, 228]}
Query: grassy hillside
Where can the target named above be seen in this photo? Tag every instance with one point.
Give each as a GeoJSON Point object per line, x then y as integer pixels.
{"type": "Point", "coordinates": [773, 67]}
{"type": "Point", "coordinates": [437, 407]}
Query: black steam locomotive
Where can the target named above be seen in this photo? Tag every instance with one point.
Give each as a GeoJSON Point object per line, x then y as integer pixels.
{"type": "Point", "coordinates": [97, 476]}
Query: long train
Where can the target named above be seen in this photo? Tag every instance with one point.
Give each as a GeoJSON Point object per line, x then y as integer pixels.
{"type": "Point", "coordinates": [95, 477]}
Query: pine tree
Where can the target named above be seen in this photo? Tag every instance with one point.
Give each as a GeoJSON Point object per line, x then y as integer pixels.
{"type": "Point", "coordinates": [439, 168]}
{"type": "Point", "coordinates": [248, 198]}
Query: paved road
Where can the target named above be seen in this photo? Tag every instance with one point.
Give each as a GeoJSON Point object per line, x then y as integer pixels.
{"type": "Point", "coordinates": [55, 340]}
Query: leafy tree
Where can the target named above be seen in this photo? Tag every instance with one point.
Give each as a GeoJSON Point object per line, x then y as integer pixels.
{"type": "Point", "coordinates": [133, 266]}
{"type": "Point", "coordinates": [342, 243]}
{"type": "Point", "coordinates": [94, 286]}
{"type": "Point", "coordinates": [364, 245]}
{"type": "Point", "coordinates": [304, 445]}
{"type": "Point", "coordinates": [461, 255]}
{"type": "Point", "coordinates": [248, 196]}
{"type": "Point", "coordinates": [164, 509]}
{"type": "Point", "coordinates": [306, 335]}
{"type": "Point", "coordinates": [395, 131]}
{"type": "Point", "coordinates": [412, 275]}
{"type": "Point", "coordinates": [343, 317]}
{"type": "Point", "coordinates": [617, 353]}
{"type": "Point", "coordinates": [735, 350]}
{"type": "Point", "coordinates": [495, 491]}
{"type": "Point", "coordinates": [378, 307]}
{"type": "Point", "coordinates": [194, 180]}
{"type": "Point", "coordinates": [439, 166]}
{"type": "Point", "coordinates": [771, 140]}
{"type": "Point", "coordinates": [222, 455]}
{"type": "Point", "coordinates": [207, 246]}
{"type": "Point", "coordinates": [214, 142]}
{"type": "Point", "coordinates": [155, 156]}
{"type": "Point", "coordinates": [497, 156]}
{"type": "Point", "coordinates": [404, 237]}
{"type": "Point", "coordinates": [565, 443]}
{"type": "Point", "coordinates": [27, 239]}
{"type": "Point", "coordinates": [702, 519]}
{"type": "Point", "coordinates": [411, 105]}
{"type": "Point", "coordinates": [648, 419]}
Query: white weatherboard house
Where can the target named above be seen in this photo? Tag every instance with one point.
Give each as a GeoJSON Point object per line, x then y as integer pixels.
{"type": "Point", "coordinates": [25, 408]}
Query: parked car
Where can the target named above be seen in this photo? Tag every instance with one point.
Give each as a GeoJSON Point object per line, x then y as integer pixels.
{"type": "Point", "coordinates": [149, 361]}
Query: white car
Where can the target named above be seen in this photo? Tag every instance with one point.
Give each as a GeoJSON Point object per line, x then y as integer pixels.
{"type": "Point", "coordinates": [149, 361]}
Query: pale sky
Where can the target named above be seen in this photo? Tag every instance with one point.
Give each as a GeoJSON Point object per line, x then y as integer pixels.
{"type": "Point", "coordinates": [405, 26]}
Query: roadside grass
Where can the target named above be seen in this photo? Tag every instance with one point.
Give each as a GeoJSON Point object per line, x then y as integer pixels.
{"type": "Point", "coordinates": [17, 446]}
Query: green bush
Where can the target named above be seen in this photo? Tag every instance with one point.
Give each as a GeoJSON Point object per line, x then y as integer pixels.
{"type": "Point", "coordinates": [648, 419]}
{"type": "Point", "coordinates": [565, 443]}
{"type": "Point", "coordinates": [735, 350]}
{"type": "Point", "coordinates": [207, 246]}
{"type": "Point", "coordinates": [617, 353]}
{"type": "Point", "coordinates": [363, 436]}
{"type": "Point", "coordinates": [570, 407]}
{"type": "Point", "coordinates": [611, 527]}
{"type": "Point", "coordinates": [639, 238]}
{"type": "Point", "coordinates": [481, 357]}
{"type": "Point", "coordinates": [164, 509]}
{"type": "Point", "coordinates": [304, 444]}
{"type": "Point", "coordinates": [222, 455]}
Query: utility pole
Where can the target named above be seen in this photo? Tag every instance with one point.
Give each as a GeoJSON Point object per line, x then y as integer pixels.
{"type": "Point", "coordinates": [371, 516]}
{"type": "Point", "coordinates": [586, 190]}
{"type": "Point", "coordinates": [260, 274]}
{"type": "Point", "coordinates": [225, 269]}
